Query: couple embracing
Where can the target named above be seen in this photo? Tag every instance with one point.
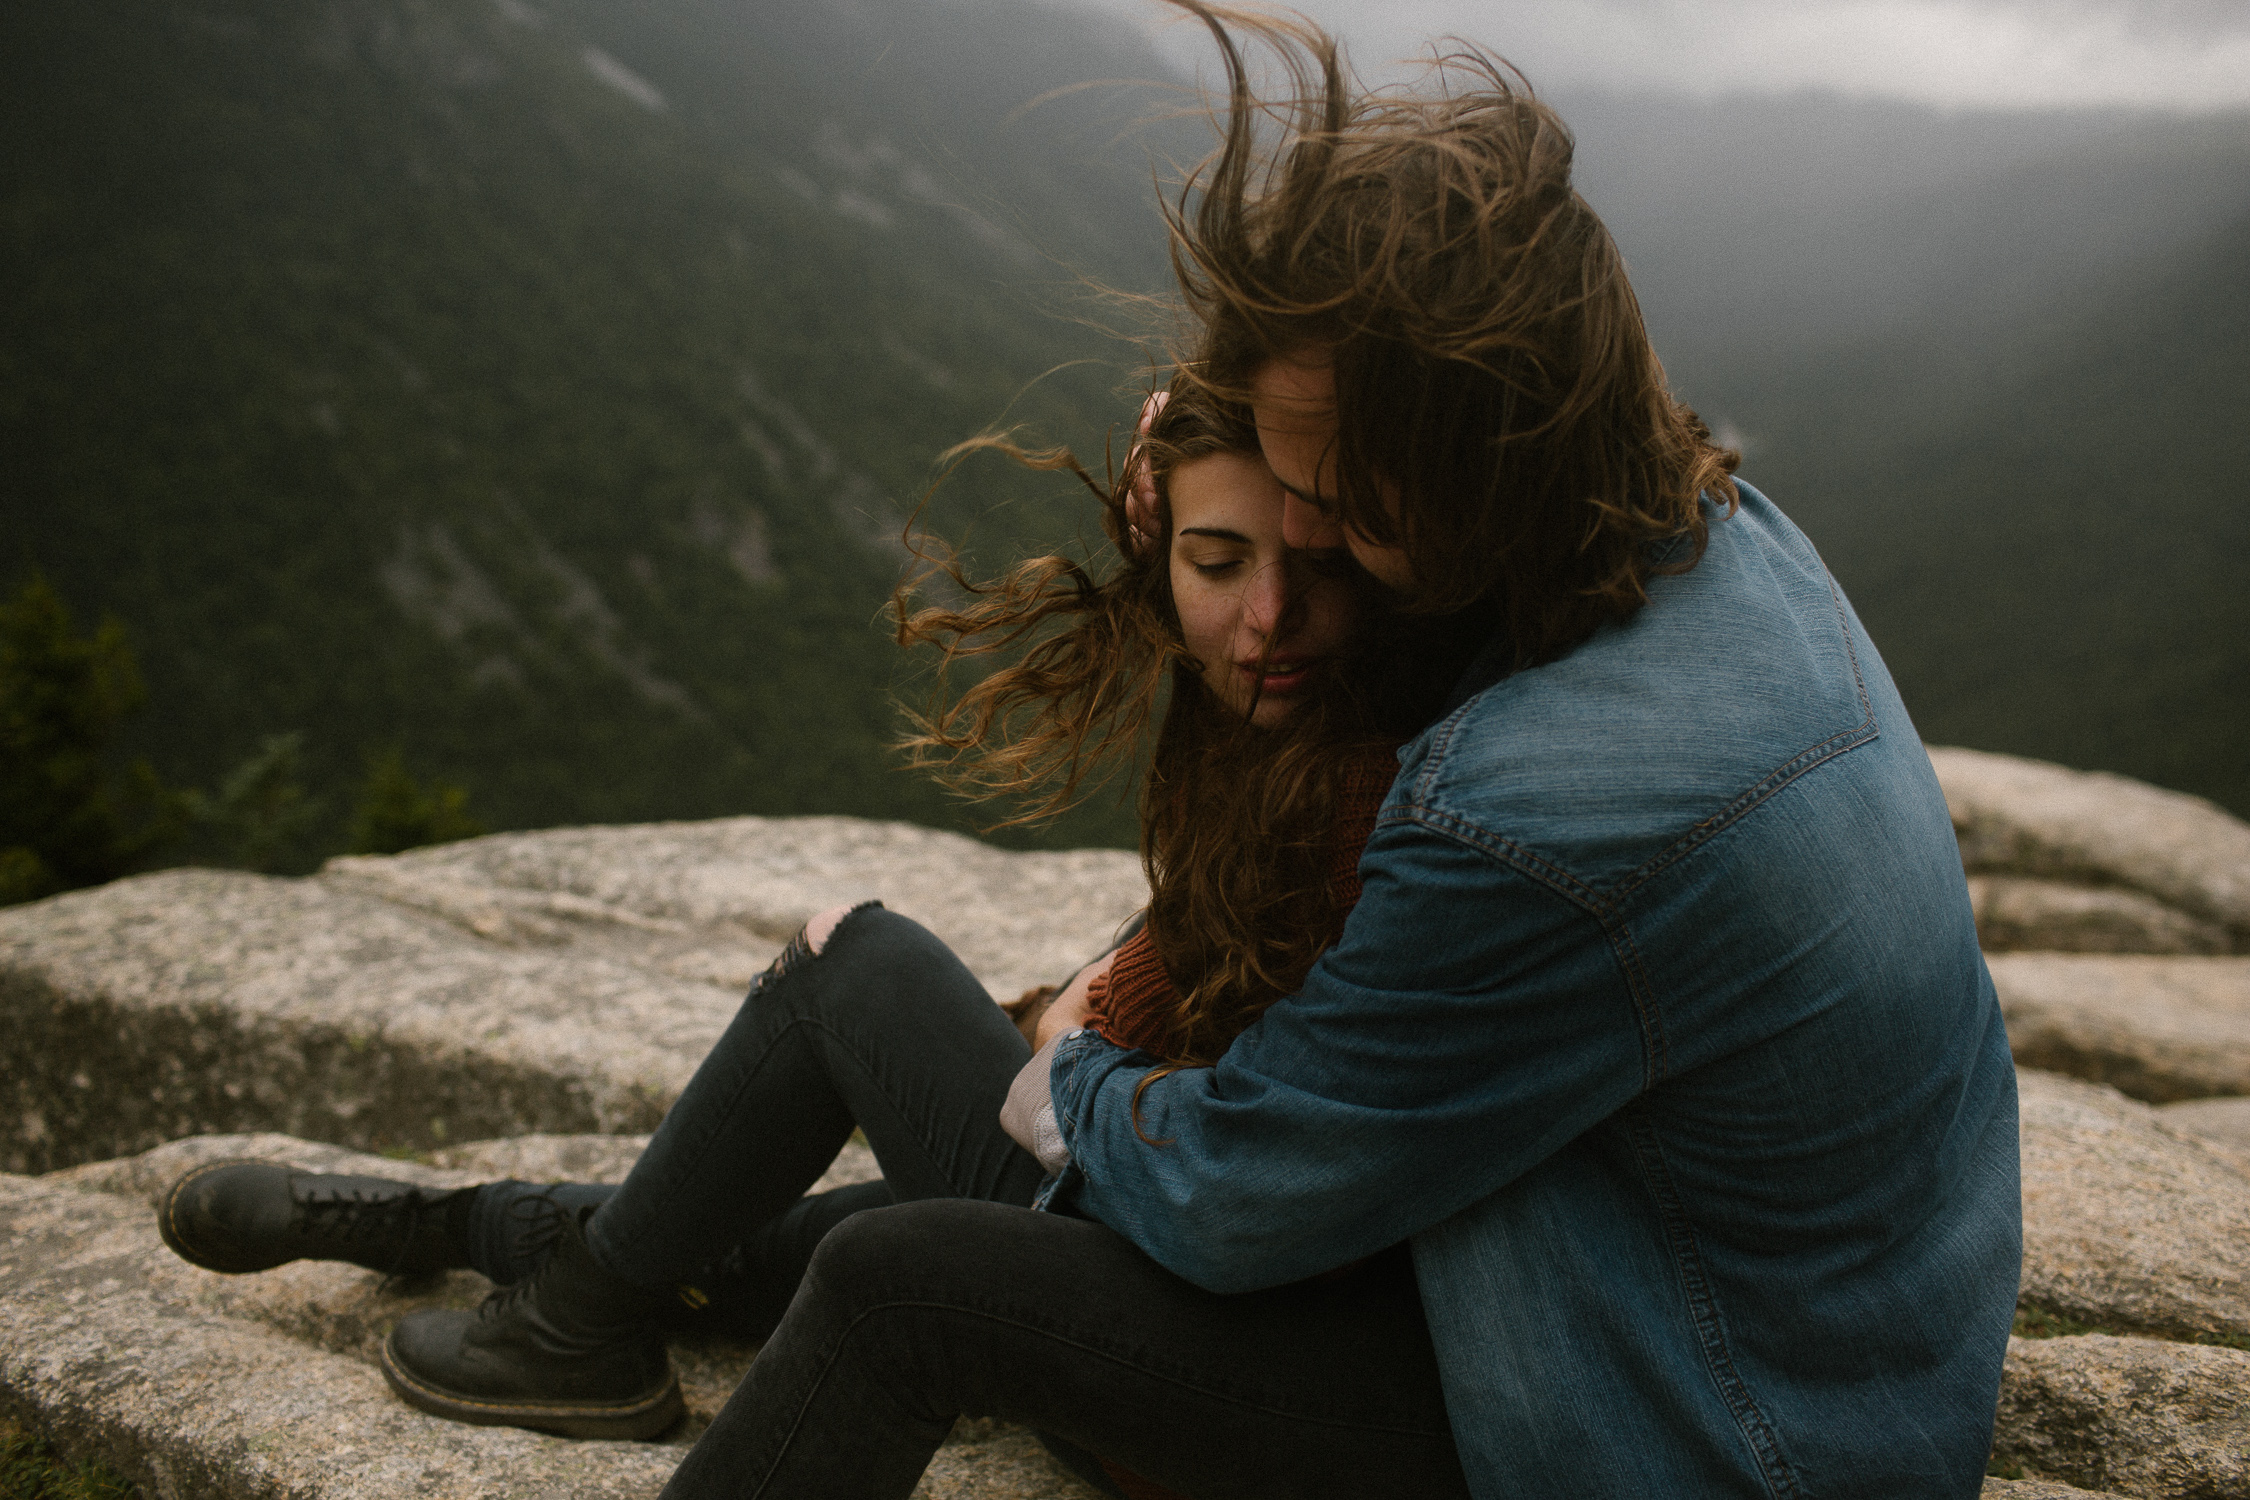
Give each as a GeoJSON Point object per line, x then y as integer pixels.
{"type": "Point", "coordinates": [1556, 1058]}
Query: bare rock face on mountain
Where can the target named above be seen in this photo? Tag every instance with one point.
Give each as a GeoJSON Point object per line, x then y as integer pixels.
{"type": "Point", "coordinates": [2160, 1029]}
{"type": "Point", "coordinates": [2115, 916]}
{"type": "Point", "coordinates": [2131, 1225]}
{"type": "Point", "coordinates": [2038, 1489]}
{"type": "Point", "coordinates": [566, 981]}
{"type": "Point", "coordinates": [2015, 911]}
{"type": "Point", "coordinates": [2226, 1121]}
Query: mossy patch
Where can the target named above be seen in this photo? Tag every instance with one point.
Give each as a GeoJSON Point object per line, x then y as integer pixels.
{"type": "Point", "coordinates": [31, 1469]}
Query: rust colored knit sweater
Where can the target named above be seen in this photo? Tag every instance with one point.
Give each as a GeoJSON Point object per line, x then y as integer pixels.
{"type": "Point", "coordinates": [1130, 1004]}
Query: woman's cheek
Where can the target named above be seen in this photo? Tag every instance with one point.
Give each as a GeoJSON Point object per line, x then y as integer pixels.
{"type": "Point", "coordinates": [1200, 624]}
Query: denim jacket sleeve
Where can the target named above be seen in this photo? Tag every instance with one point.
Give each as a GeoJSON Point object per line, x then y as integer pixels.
{"type": "Point", "coordinates": [1472, 1021]}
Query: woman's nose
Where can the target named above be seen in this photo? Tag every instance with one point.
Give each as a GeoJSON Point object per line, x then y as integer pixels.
{"type": "Point", "coordinates": [1265, 599]}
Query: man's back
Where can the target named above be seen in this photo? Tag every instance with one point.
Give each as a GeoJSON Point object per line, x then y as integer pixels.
{"type": "Point", "coordinates": [1661, 1027]}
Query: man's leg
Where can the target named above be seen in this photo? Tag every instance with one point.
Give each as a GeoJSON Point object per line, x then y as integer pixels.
{"type": "Point", "coordinates": [914, 1315]}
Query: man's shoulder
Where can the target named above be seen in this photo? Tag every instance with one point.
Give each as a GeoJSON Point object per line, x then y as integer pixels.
{"type": "Point", "coordinates": [1741, 673]}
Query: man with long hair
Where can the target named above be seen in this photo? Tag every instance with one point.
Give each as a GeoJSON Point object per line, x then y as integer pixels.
{"type": "Point", "coordinates": [1659, 1033]}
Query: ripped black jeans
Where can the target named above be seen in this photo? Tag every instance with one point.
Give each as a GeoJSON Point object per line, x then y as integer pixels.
{"type": "Point", "coordinates": [895, 1307]}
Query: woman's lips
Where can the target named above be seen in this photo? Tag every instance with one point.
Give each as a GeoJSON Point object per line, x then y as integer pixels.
{"type": "Point", "coordinates": [1279, 677]}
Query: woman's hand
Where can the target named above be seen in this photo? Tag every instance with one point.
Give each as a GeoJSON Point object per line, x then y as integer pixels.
{"type": "Point", "coordinates": [1067, 1011]}
{"type": "Point", "coordinates": [1144, 512]}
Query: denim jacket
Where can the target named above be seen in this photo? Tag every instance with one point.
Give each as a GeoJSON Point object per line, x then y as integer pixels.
{"type": "Point", "coordinates": [1662, 1033]}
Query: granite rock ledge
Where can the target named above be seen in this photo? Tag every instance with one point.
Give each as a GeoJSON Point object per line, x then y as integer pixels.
{"type": "Point", "coordinates": [565, 981]}
{"type": "Point", "coordinates": [554, 990]}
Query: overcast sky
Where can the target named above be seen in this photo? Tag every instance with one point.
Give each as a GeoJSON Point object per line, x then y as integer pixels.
{"type": "Point", "coordinates": [2186, 55]}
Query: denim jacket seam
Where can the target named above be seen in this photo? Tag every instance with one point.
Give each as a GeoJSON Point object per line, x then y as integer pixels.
{"type": "Point", "coordinates": [1441, 740]}
{"type": "Point", "coordinates": [1747, 802]}
{"type": "Point", "coordinates": [1781, 775]}
{"type": "Point", "coordinates": [1709, 828]}
{"type": "Point", "coordinates": [1605, 911]}
{"type": "Point", "coordinates": [1750, 1419]}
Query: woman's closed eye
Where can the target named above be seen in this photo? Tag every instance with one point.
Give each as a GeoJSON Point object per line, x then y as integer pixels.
{"type": "Point", "coordinates": [1216, 567]}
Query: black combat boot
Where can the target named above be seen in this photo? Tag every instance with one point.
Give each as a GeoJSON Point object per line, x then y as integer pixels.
{"type": "Point", "coordinates": [239, 1216]}
{"type": "Point", "coordinates": [572, 1350]}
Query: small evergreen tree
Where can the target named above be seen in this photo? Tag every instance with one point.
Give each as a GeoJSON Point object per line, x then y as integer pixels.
{"type": "Point", "coordinates": [261, 817]}
{"type": "Point", "coordinates": [68, 817]}
{"type": "Point", "coordinates": [396, 812]}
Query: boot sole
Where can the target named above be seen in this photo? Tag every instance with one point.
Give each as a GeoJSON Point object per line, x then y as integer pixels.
{"type": "Point", "coordinates": [168, 1230]}
{"type": "Point", "coordinates": [638, 1418]}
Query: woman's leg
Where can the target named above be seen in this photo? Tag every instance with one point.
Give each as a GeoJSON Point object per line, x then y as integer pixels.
{"type": "Point", "coordinates": [883, 1029]}
{"type": "Point", "coordinates": [914, 1315]}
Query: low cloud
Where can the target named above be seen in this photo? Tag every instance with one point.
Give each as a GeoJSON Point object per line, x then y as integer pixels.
{"type": "Point", "coordinates": [2178, 55]}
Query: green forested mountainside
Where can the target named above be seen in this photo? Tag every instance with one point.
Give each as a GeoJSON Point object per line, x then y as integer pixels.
{"type": "Point", "coordinates": [532, 388]}
{"type": "Point", "coordinates": [2049, 537]}
{"type": "Point", "coordinates": [417, 375]}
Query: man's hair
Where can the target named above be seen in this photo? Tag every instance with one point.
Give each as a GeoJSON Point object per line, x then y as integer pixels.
{"type": "Point", "coordinates": [1489, 354]}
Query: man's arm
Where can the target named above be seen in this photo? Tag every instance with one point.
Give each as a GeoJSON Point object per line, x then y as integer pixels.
{"type": "Point", "coordinates": [1473, 1020]}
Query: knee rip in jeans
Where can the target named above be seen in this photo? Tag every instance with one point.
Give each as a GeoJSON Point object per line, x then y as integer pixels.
{"type": "Point", "coordinates": [801, 947]}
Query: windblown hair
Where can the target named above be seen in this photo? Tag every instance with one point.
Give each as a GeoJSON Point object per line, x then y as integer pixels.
{"type": "Point", "coordinates": [1492, 370]}
{"type": "Point", "coordinates": [1093, 654]}
{"type": "Point", "coordinates": [1234, 818]}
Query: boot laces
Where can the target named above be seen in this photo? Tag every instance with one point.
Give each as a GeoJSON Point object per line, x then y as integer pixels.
{"type": "Point", "coordinates": [368, 1220]}
{"type": "Point", "coordinates": [538, 1222]}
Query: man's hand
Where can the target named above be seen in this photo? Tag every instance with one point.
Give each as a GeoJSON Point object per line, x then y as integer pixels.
{"type": "Point", "coordinates": [1067, 1011]}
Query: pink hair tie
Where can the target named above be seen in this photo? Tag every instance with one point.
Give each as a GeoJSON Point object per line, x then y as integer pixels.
{"type": "Point", "coordinates": [1142, 511]}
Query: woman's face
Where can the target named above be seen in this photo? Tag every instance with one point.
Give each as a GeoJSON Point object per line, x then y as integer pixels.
{"type": "Point", "coordinates": [1262, 617]}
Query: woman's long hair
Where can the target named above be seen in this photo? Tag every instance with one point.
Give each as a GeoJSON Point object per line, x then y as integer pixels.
{"type": "Point", "coordinates": [1234, 819]}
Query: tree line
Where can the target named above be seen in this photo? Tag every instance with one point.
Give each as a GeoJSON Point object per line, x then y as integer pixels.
{"type": "Point", "coordinates": [74, 813]}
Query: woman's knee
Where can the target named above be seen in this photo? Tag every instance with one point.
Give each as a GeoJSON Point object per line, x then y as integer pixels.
{"type": "Point", "coordinates": [824, 923]}
{"type": "Point", "coordinates": [879, 980]}
{"type": "Point", "coordinates": [939, 1248]}
{"type": "Point", "coordinates": [882, 949]}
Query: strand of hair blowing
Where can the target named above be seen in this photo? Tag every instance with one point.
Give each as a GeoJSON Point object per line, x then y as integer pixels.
{"type": "Point", "coordinates": [1081, 661]}
{"type": "Point", "coordinates": [1502, 416]}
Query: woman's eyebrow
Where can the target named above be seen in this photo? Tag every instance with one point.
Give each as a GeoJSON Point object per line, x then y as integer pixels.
{"type": "Point", "coordinates": [1215, 531]}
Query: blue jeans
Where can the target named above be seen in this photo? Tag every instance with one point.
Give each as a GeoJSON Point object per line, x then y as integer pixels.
{"type": "Point", "coordinates": [891, 1308]}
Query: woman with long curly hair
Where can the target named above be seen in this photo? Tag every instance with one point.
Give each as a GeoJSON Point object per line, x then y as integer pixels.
{"type": "Point", "coordinates": [1279, 687]}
